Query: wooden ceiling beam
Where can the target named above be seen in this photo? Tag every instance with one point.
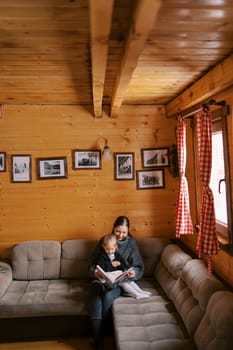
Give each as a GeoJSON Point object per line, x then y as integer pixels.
{"type": "Point", "coordinates": [142, 23]}
{"type": "Point", "coordinates": [100, 23]}
{"type": "Point", "coordinates": [216, 80]}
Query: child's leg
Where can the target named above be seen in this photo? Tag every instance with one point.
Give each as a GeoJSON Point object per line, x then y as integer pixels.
{"type": "Point", "coordinates": [139, 290]}
{"type": "Point", "coordinates": [129, 288]}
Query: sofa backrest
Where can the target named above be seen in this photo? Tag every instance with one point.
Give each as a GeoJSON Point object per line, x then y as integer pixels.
{"type": "Point", "coordinates": [151, 249]}
{"type": "Point", "coordinates": [170, 266]}
{"type": "Point", "coordinates": [215, 331]}
{"type": "Point", "coordinates": [75, 254]}
{"type": "Point", "coordinates": [187, 283]}
{"type": "Point", "coordinates": [44, 259]}
{"type": "Point", "coordinates": [192, 291]}
{"type": "Point", "coordinates": [36, 260]}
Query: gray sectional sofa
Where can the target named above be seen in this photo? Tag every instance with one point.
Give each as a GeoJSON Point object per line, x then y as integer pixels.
{"type": "Point", "coordinates": [43, 293]}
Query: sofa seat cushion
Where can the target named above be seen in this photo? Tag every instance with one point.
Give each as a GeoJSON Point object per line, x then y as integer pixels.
{"type": "Point", "coordinates": [148, 324]}
{"type": "Point", "coordinates": [151, 323]}
{"type": "Point", "coordinates": [44, 298]}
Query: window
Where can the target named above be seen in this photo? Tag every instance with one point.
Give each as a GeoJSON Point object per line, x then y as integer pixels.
{"type": "Point", "coordinates": [220, 181]}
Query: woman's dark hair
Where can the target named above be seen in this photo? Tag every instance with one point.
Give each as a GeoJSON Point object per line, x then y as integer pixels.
{"type": "Point", "coordinates": [121, 221]}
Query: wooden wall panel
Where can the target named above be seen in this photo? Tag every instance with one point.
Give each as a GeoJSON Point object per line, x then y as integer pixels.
{"type": "Point", "coordinates": [87, 202]}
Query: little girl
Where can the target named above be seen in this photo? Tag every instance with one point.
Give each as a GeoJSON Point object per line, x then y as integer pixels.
{"type": "Point", "coordinates": [110, 261]}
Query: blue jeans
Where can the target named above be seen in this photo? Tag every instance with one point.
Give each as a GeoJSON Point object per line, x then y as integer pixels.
{"type": "Point", "coordinates": [100, 299]}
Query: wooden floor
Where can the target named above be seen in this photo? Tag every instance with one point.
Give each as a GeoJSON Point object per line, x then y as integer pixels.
{"type": "Point", "coordinates": [63, 344]}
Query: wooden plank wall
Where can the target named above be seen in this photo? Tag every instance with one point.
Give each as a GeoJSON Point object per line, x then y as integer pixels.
{"type": "Point", "coordinates": [222, 262]}
{"type": "Point", "coordinates": [86, 203]}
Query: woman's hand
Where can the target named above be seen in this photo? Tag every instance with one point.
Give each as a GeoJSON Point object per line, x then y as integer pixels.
{"type": "Point", "coordinates": [131, 274]}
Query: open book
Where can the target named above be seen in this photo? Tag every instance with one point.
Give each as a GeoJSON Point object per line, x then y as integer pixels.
{"type": "Point", "coordinates": [114, 277]}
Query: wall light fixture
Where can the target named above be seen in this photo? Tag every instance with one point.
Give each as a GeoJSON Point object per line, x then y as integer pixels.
{"type": "Point", "coordinates": [106, 153]}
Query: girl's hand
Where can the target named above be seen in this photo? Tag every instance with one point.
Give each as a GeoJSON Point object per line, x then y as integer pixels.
{"type": "Point", "coordinates": [116, 263]}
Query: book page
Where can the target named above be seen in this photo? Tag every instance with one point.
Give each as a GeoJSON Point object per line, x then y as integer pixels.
{"type": "Point", "coordinates": [114, 277]}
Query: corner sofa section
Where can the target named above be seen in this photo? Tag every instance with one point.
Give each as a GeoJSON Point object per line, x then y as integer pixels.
{"type": "Point", "coordinates": [181, 314]}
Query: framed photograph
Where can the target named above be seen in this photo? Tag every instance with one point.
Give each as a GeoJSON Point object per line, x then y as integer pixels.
{"type": "Point", "coordinates": [155, 157]}
{"type": "Point", "coordinates": [86, 159]}
{"type": "Point", "coordinates": [52, 168]}
{"type": "Point", "coordinates": [2, 161]}
{"type": "Point", "coordinates": [124, 166]}
{"type": "Point", "coordinates": [21, 168]}
{"type": "Point", "coordinates": [150, 179]}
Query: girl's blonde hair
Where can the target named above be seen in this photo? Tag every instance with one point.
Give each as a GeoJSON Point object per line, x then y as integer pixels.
{"type": "Point", "coordinates": [110, 238]}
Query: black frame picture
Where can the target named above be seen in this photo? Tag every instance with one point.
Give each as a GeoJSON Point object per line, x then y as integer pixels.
{"type": "Point", "coordinates": [21, 168]}
{"type": "Point", "coordinates": [52, 168]}
{"type": "Point", "coordinates": [124, 166]}
{"type": "Point", "coordinates": [150, 179]}
{"type": "Point", "coordinates": [155, 157]}
{"type": "Point", "coordinates": [86, 159]}
{"type": "Point", "coordinates": [2, 161]}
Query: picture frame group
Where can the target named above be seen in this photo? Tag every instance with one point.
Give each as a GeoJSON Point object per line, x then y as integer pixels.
{"type": "Point", "coordinates": [151, 176]}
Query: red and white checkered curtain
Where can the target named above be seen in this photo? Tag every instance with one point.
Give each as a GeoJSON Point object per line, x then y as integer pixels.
{"type": "Point", "coordinates": [207, 243]}
{"type": "Point", "coordinates": [183, 218]}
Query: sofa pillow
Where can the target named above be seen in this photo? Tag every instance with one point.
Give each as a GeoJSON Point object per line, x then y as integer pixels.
{"type": "Point", "coordinates": [191, 293]}
{"type": "Point", "coordinates": [174, 259]}
{"type": "Point", "coordinates": [36, 260]}
{"type": "Point", "coordinates": [196, 277]}
{"type": "Point", "coordinates": [151, 249]}
{"type": "Point", "coordinates": [75, 256]}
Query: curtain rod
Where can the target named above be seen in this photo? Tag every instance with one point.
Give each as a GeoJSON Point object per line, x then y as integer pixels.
{"type": "Point", "coordinates": [194, 109]}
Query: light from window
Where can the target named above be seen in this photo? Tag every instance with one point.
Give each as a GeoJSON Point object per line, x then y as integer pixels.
{"type": "Point", "coordinates": [217, 181]}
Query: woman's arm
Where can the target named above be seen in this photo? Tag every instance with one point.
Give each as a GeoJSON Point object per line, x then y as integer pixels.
{"type": "Point", "coordinates": [133, 257]}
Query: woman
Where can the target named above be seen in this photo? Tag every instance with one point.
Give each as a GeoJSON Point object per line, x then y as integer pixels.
{"type": "Point", "coordinates": [100, 297]}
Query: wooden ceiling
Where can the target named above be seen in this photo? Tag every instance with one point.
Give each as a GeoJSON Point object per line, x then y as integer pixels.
{"type": "Point", "coordinates": [106, 52]}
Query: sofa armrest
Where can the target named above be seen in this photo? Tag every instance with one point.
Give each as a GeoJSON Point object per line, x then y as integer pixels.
{"type": "Point", "coordinates": [5, 278]}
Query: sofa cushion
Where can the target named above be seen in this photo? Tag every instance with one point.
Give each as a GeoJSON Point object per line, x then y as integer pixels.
{"type": "Point", "coordinates": [215, 331]}
{"type": "Point", "coordinates": [74, 258]}
{"type": "Point", "coordinates": [174, 259]}
{"type": "Point", "coordinates": [192, 291]}
{"type": "Point", "coordinates": [44, 298]}
{"type": "Point", "coordinates": [169, 268]}
{"type": "Point", "coordinates": [147, 324]}
{"type": "Point", "coordinates": [36, 260]}
{"type": "Point", "coordinates": [151, 249]}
